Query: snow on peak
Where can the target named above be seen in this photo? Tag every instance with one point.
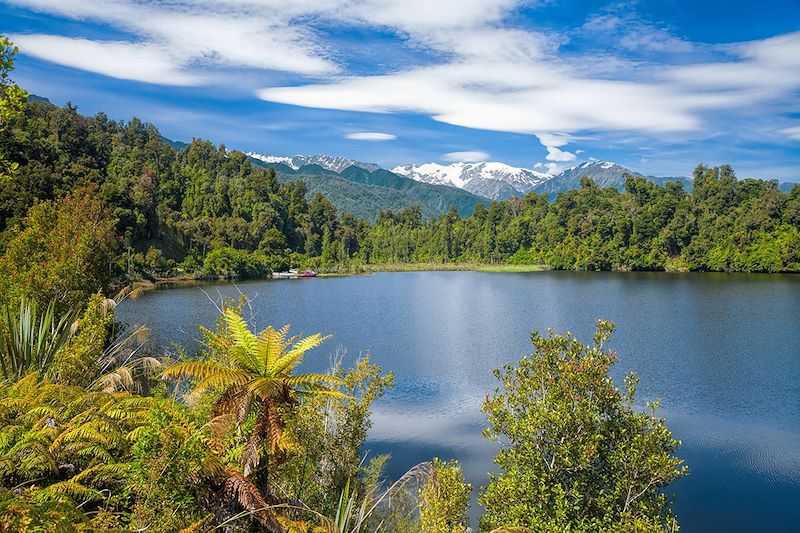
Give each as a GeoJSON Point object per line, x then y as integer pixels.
{"type": "Point", "coordinates": [596, 164]}
{"type": "Point", "coordinates": [489, 179]}
{"type": "Point", "coordinates": [271, 158]}
{"type": "Point", "coordinates": [329, 162]}
{"type": "Point", "coordinates": [434, 173]}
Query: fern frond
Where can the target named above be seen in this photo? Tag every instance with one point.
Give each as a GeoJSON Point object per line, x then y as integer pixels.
{"type": "Point", "coordinates": [266, 387]}
{"type": "Point", "coordinates": [314, 379]}
{"type": "Point", "coordinates": [310, 342]}
{"type": "Point", "coordinates": [221, 375]}
{"type": "Point", "coordinates": [72, 489]}
{"type": "Point", "coordinates": [248, 496]}
{"type": "Point", "coordinates": [197, 526]}
{"type": "Point", "coordinates": [294, 357]}
{"type": "Point", "coordinates": [322, 391]}
{"type": "Point", "coordinates": [135, 434]}
{"type": "Point", "coordinates": [103, 472]}
{"type": "Point", "coordinates": [272, 343]}
{"type": "Point", "coordinates": [245, 342]}
{"type": "Point", "coordinates": [93, 452]}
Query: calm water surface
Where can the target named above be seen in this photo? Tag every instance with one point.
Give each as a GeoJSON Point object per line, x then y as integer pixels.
{"type": "Point", "coordinates": [721, 352]}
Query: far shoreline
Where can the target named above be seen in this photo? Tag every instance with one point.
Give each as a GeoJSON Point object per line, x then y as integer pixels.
{"type": "Point", "coordinates": [184, 280]}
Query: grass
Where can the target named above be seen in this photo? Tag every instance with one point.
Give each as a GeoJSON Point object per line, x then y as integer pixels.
{"type": "Point", "coordinates": [514, 268]}
{"type": "Point", "coordinates": [362, 269]}
{"type": "Point", "coordinates": [475, 267]}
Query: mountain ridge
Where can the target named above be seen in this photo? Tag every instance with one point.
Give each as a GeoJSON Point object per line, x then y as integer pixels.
{"type": "Point", "coordinates": [329, 162]}
{"type": "Point", "coordinates": [603, 173]}
{"type": "Point", "coordinates": [365, 193]}
{"type": "Point", "coordinates": [491, 180]}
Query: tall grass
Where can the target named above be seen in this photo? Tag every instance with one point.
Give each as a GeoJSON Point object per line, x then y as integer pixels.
{"type": "Point", "coordinates": [31, 339]}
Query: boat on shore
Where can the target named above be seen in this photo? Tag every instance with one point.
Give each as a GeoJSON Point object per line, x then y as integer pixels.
{"type": "Point", "coordinates": [293, 273]}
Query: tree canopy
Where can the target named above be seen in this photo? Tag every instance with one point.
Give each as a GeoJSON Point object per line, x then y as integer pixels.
{"type": "Point", "coordinates": [574, 453]}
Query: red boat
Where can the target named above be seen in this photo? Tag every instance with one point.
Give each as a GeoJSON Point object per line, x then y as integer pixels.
{"type": "Point", "coordinates": [308, 274]}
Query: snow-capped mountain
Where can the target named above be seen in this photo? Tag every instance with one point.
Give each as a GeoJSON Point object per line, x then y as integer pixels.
{"type": "Point", "coordinates": [603, 173]}
{"type": "Point", "coordinates": [493, 180]}
{"type": "Point", "coordinates": [489, 179]}
{"type": "Point", "coordinates": [329, 162]}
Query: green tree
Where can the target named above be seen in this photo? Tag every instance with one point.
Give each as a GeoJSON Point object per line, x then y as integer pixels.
{"type": "Point", "coordinates": [328, 436]}
{"type": "Point", "coordinates": [575, 455]}
{"type": "Point", "coordinates": [254, 375]}
{"type": "Point", "coordinates": [61, 252]}
{"type": "Point", "coordinates": [12, 99]}
{"type": "Point", "coordinates": [444, 499]}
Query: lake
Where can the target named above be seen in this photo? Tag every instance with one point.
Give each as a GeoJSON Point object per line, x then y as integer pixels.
{"type": "Point", "coordinates": [721, 352]}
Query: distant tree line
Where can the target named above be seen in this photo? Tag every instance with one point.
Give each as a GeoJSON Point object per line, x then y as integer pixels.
{"type": "Point", "coordinates": [725, 224]}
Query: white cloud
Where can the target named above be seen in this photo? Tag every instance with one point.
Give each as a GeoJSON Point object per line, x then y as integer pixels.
{"type": "Point", "coordinates": [766, 69]}
{"type": "Point", "coordinates": [148, 63]}
{"type": "Point", "coordinates": [792, 132]}
{"type": "Point", "coordinates": [552, 142]}
{"type": "Point", "coordinates": [554, 154]}
{"type": "Point", "coordinates": [370, 136]}
{"type": "Point", "coordinates": [634, 34]}
{"type": "Point", "coordinates": [190, 35]}
{"type": "Point", "coordinates": [422, 16]}
{"type": "Point", "coordinates": [521, 87]}
{"type": "Point", "coordinates": [550, 168]}
{"type": "Point", "coordinates": [492, 75]}
{"type": "Point", "coordinates": [261, 34]}
{"type": "Point", "coordinates": [467, 157]}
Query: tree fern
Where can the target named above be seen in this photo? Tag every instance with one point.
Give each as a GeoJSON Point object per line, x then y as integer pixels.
{"type": "Point", "coordinates": [253, 375]}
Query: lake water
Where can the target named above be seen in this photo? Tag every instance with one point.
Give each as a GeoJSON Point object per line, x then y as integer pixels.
{"type": "Point", "coordinates": [721, 352]}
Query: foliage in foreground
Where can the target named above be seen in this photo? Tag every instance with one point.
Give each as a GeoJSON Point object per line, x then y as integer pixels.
{"type": "Point", "coordinates": [575, 455]}
{"type": "Point", "coordinates": [253, 446]}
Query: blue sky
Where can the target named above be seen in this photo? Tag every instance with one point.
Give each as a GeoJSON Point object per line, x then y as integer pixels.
{"type": "Point", "coordinates": [656, 86]}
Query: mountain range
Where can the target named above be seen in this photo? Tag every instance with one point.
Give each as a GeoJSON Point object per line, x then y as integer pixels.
{"type": "Point", "coordinates": [364, 193]}
{"type": "Point", "coordinates": [493, 180]}
{"type": "Point", "coordinates": [603, 173]}
{"type": "Point", "coordinates": [366, 188]}
{"type": "Point", "coordinates": [490, 180]}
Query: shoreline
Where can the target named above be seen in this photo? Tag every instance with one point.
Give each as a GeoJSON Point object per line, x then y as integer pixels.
{"type": "Point", "coordinates": [366, 270]}
{"type": "Point", "coordinates": [363, 270]}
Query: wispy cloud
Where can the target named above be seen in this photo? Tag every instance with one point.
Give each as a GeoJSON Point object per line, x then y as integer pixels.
{"type": "Point", "coordinates": [792, 132]}
{"type": "Point", "coordinates": [762, 70]}
{"type": "Point", "coordinates": [467, 157]}
{"type": "Point", "coordinates": [632, 33]}
{"type": "Point", "coordinates": [481, 70]}
{"type": "Point", "coordinates": [140, 62]}
{"type": "Point", "coordinates": [190, 35]}
{"type": "Point", "coordinates": [370, 136]}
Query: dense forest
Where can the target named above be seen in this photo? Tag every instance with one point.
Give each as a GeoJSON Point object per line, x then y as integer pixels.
{"type": "Point", "coordinates": [724, 225]}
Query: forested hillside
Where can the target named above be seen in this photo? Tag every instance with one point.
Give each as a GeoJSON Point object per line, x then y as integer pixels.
{"type": "Point", "coordinates": [167, 206]}
{"type": "Point", "coordinates": [364, 193]}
